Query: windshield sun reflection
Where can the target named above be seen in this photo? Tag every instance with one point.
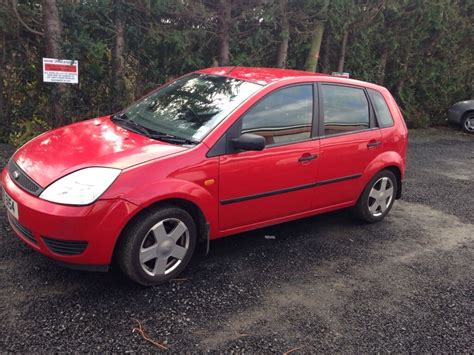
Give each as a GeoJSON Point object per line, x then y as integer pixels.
{"type": "Point", "coordinates": [190, 107]}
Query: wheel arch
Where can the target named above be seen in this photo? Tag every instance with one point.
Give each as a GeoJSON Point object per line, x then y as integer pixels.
{"type": "Point", "coordinates": [395, 169]}
{"type": "Point", "coordinates": [465, 114]}
{"type": "Point", "coordinates": [189, 206]}
{"type": "Point", "coordinates": [391, 161]}
{"type": "Point", "coordinates": [398, 174]}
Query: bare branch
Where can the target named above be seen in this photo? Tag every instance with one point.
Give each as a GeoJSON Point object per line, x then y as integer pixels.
{"type": "Point", "coordinates": [141, 330]}
{"type": "Point", "coordinates": [290, 351]}
{"type": "Point", "coordinates": [17, 15]}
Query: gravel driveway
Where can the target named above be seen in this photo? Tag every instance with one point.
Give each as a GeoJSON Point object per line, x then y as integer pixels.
{"type": "Point", "coordinates": [326, 283]}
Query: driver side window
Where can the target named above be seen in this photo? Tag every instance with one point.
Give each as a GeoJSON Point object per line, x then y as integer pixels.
{"type": "Point", "coordinates": [283, 116]}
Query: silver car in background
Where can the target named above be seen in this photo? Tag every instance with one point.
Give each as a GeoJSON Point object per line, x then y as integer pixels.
{"type": "Point", "coordinates": [462, 114]}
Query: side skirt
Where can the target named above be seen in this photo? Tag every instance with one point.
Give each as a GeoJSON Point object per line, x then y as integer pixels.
{"type": "Point", "coordinates": [271, 222]}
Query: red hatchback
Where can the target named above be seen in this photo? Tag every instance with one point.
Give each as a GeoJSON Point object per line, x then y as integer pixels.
{"type": "Point", "coordinates": [213, 153]}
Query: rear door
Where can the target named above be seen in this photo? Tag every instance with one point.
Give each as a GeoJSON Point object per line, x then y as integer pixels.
{"type": "Point", "coordinates": [350, 140]}
{"type": "Point", "coordinates": [259, 186]}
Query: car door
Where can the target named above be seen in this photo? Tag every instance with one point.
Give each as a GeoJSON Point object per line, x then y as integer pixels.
{"type": "Point", "coordinates": [349, 139]}
{"type": "Point", "coordinates": [259, 186]}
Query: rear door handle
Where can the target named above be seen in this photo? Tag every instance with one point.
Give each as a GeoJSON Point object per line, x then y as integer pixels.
{"type": "Point", "coordinates": [307, 157]}
{"type": "Point", "coordinates": [373, 144]}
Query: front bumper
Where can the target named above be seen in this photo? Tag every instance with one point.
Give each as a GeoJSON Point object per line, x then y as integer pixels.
{"type": "Point", "coordinates": [79, 236]}
{"type": "Point", "coordinates": [454, 116]}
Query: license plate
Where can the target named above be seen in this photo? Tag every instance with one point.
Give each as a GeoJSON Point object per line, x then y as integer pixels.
{"type": "Point", "coordinates": [10, 204]}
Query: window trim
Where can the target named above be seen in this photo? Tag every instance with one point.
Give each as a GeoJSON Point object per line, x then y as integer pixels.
{"type": "Point", "coordinates": [375, 112]}
{"type": "Point", "coordinates": [242, 116]}
{"type": "Point", "coordinates": [223, 145]}
{"type": "Point", "coordinates": [372, 119]}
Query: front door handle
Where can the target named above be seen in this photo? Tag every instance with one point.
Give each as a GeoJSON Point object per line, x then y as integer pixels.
{"type": "Point", "coordinates": [307, 157]}
{"type": "Point", "coordinates": [373, 144]}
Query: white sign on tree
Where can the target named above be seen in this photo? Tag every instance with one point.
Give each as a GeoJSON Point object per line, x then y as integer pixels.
{"type": "Point", "coordinates": [60, 71]}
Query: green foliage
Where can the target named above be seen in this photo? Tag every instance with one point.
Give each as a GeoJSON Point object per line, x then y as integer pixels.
{"type": "Point", "coordinates": [26, 130]}
{"type": "Point", "coordinates": [421, 50]}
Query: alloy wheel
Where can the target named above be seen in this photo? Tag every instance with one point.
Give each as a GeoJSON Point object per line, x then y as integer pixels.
{"type": "Point", "coordinates": [164, 247]}
{"type": "Point", "coordinates": [380, 196]}
{"type": "Point", "coordinates": [469, 124]}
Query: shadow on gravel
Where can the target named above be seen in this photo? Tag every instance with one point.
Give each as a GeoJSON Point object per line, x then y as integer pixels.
{"type": "Point", "coordinates": [236, 249]}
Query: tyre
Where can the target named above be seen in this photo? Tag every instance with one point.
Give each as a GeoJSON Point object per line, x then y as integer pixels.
{"type": "Point", "coordinates": [377, 198]}
{"type": "Point", "coordinates": [157, 246]}
{"type": "Point", "coordinates": [467, 122]}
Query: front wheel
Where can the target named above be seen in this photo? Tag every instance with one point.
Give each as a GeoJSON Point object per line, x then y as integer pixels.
{"type": "Point", "coordinates": [157, 246]}
{"type": "Point", "coordinates": [377, 198]}
{"type": "Point", "coordinates": [468, 123]}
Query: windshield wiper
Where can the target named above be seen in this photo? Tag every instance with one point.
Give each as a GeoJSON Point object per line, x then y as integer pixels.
{"type": "Point", "coordinates": [137, 128]}
{"type": "Point", "coordinates": [172, 139]}
{"type": "Point", "coordinates": [131, 125]}
{"type": "Point", "coordinates": [120, 117]}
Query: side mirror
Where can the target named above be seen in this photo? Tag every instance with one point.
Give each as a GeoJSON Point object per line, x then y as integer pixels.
{"type": "Point", "coordinates": [248, 141]}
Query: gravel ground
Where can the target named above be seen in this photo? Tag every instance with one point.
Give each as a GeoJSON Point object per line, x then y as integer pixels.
{"type": "Point", "coordinates": [324, 284]}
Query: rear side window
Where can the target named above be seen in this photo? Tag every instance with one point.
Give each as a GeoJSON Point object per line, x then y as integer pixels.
{"type": "Point", "coordinates": [382, 111]}
{"type": "Point", "coordinates": [282, 116]}
{"type": "Point", "coordinates": [346, 109]}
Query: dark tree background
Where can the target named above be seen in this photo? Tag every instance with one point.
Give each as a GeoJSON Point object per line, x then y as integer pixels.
{"type": "Point", "coordinates": [422, 50]}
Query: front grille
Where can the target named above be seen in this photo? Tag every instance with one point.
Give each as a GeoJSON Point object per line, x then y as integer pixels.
{"type": "Point", "coordinates": [65, 247]}
{"type": "Point", "coordinates": [23, 180]}
{"type": "Point", "coordinates": [21, 228]}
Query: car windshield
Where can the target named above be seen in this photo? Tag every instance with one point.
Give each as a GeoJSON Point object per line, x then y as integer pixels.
{"type": "Point", "coordinates": [190, 107]}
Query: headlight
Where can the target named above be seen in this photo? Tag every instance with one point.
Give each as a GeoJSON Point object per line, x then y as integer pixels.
{"type": "Point", "coordinates": [80, 187]}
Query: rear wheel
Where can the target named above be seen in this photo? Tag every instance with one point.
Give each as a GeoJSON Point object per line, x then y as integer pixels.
{"type": "Point", "coordinates": [157, 246]}
{"type": "Point", "coordinates": [467, 122]}
{"type": "Point", "coordinates": [378, 197]}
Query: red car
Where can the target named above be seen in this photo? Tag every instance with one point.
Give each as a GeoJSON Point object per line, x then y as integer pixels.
{"type": "Point", "coordinates": [213, 153]}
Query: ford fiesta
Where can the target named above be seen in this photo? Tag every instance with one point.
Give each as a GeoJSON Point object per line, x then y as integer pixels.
{"type": "Point", "coordinates": [213, 153]}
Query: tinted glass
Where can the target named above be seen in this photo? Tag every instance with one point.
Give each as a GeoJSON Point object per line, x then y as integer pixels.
{"type": "Point", "coordinates": [191, 106]}
{"type": "Point", "coordinates": [381, 109]}
{"type": "Point", "coordinates": [283, 116]}
{"type": "Point", "coordinates": [345, 109]}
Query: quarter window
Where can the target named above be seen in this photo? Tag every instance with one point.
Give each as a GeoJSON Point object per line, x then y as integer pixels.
{"type": "Point", "coordinates": [345, 109]}
{"type": "Point", "coordinates": [382, 111]}
{"type": "Point", "coordinates": [283, 116]}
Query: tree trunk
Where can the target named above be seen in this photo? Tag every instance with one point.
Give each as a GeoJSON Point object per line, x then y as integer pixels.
{"type": "Point", "coordinates": [325, 65]}
{"type": "Point", "coordinates": [285, 35]}
{"type": "Point", "coordinates": [342, 54]}
{"type": "Point", "coordinates": [53, 49]}
{"type": "Point", "coordinates": [383, 66]}
{"type": "Point", "coordinates": [313, 56]}
{"type": "Point", "coordinates": [403, 71]}
{"type": "Point", "coordinates": [3, 116]}
{"type": "Point", "coordinates": [118, 61]}
{"type": "Point", "coordinates": [225, 18]}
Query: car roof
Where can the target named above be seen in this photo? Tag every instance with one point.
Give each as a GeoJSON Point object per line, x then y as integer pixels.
{"type": "Point", "coordinates": [265, 76]}
{"type": "Point", "coordinates": [262, 76]}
